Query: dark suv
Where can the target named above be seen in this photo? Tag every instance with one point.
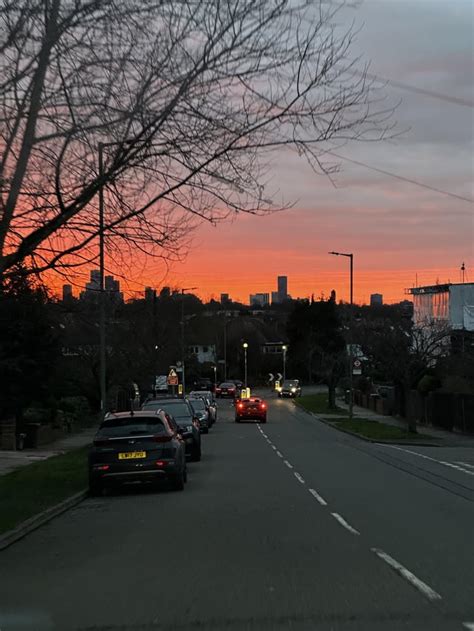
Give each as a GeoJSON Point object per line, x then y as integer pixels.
{"type": "Point", "coordinates": [137, 447]}
{"type": "Point", "coordinates": [183, 414]}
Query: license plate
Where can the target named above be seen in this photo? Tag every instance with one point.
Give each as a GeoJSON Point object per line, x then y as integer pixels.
{"type": "Point", "coordinates": [129, 455]}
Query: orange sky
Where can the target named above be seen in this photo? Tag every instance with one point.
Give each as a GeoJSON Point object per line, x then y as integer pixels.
{"type": "Point", "coordinates": [398, 231]}
{"type": "Point", "coordinates": [247, 255]}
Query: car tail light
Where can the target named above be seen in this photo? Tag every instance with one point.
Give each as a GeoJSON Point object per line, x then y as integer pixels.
{"type": "Point", "coordinates": [102, 467]}
{"type": "Point", "coordinates": [240, 406]}
{"type": "Point", "coordinates": [162, 439]}
{"type": "Point", "coordinates": [163, 463]}
{"type": "Point", "coordinates": [263, 406]}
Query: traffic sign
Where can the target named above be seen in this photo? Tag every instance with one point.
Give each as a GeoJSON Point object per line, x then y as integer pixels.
{"type": "Point", "coordinates": [172, 377]}
{"type": "Point", "coordinates": [356, 367]}
{"type": "Point", "coordinates": [279, 376]}
{"type": "Point", "coordinates": [271, 377]}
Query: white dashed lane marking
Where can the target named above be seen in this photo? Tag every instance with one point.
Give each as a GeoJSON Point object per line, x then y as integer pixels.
{"type": "Point", "coordinates": [407, 575]}
{"type": "Point", "coordinates": [318, 497]}
{"type": "Point", "coordinates": [290, 466]}
{"type": "Point", "coordinates": [468, 625]}
{"type": "Point", "coordinates": [344, 523]}
{"type": "Point", "coordinates": [279, 454]}
{"type": "Point", "coordinates": [299, 477]}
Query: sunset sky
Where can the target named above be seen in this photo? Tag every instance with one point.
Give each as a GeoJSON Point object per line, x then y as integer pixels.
{"type": "Point", "coordinates": [396, 230]}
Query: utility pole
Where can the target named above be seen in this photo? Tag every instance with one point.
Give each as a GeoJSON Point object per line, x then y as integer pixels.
{"type": "Point", "coordinates": [350, 256]}
{"type": "Point", "coordinates": [102, 340]}
{"type": "Point", "coordinates": [102, 306]}
{"type": "Point", "coordinates": [183, 378]}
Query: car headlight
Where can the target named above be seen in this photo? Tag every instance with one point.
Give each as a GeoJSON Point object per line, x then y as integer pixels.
{"type": "Point", "coordinates": [293, 389]}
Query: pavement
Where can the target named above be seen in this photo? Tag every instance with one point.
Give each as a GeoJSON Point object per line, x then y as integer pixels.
{"type": "Point", "coordinates": [286, 526]}
{"type": "Point", "coordinates": [11, 460]}
{"type": "Point", "coordinates": [452, 438]}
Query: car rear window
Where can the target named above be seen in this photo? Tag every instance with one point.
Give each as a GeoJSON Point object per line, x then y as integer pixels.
{"type": "Point", "coordinates": [132, 427]}
{"type": "Point", "coordinates": [198, 404]}
{"type": "Point", "coordinates": [178, 409]}
{"type": "Point", "coordinates": [227, 385]}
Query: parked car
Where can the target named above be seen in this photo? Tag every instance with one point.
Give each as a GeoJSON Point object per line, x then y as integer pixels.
{"type": "Point", "coordinates": [183, 414]}
{"type": "Point", "coordinates": [226, 389]}
{"type": "Point", "coordinates": [137, 447]}
{"type": "Point", "coordinates": [210, 400]}
{"type": "Point", "coordinates": [238, 384]}
{"type": "Point", "coordinates": [251, 409]}
{"type": "Point", "coordinates": [290, 388]}
{"type": "Point", "coordinates": [201, 411]}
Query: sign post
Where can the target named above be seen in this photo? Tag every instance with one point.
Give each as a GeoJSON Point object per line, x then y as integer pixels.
{"type": "Point", "coordinates": [356, 367]}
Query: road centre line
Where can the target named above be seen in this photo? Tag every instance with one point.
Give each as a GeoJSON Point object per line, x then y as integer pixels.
{"type": "Point", "coordinates": [443, 462]}
{"type": "Point", "coordinates": [290, 466]}
{"type": "Point", "coordinates": [316, 495]}
{"type": "Point", "coordinates": [468, 625]}
{"type": "Point", "coordinates": [344, 523]}
{"type": "Point", "coordinates": [407, 575]}
{"type": "Point", "coordinates": [273, 447]}
{"type": "Point", "coordinates": [299, 477]}
{"type": "Point", "coordinates": [279, 454]}
{"type": "Point", "coordinates": [466, 464]}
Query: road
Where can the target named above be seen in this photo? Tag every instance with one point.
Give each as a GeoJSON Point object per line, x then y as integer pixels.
{"type": "Point", "coordinates": [285, 526]}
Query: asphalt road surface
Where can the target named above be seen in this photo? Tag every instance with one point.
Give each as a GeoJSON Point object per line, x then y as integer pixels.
{"type": "Point", "coordinates": [285, 526]}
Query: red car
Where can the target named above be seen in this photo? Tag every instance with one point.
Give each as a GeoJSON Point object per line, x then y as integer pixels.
{"type": "Point", "coordinates": [226, 389]}
{"type": "Point", "coordinates": [251, 409]}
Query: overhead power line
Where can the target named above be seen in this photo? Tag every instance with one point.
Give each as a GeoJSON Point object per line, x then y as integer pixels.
{"type": "Point", "coordinates": [456, 100]}
{"type": "Point", "coordinates": [402, 178]}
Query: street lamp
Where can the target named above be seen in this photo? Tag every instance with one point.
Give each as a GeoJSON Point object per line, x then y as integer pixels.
{"type": "Point", "coordinates": [245, 347]}
{"type": "Point", "coordinates": [284, 349]}
{"type": "Point", "coordinates": [350, 256]}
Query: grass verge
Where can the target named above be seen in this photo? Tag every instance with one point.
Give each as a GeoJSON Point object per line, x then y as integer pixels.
{"type": "Point", "coordinates": [378, 431]}
{"type": "Point", "coordinates": [32, 489]}
{"type": "Point", "coordinates": [318, 403]}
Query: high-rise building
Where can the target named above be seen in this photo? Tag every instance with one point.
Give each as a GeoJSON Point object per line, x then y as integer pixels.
{"type": "Point", "coordinates": [92, 289]}
{"type": "Point", "coordinates": [225, 299]}
{"type": "Point", "coordinates": [150, 294]}
{"type": "Point", "coordinates": [282, 288]}
{"type": "Point", "coordinates": [275, 298]}
{"type": "Point", "coordinates": [259, 300]}
{"type": "Point", "coordinates": [95, 279]}
{"type": "Point", "coordinates": [376, 300]}
{"type": "Point", "coordinates": [67, 292]}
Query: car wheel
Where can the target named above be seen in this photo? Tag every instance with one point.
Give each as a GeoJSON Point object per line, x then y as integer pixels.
{"type": "Point", "coordinates": [96, 488]}
{"type": "Point", "coordinates": [177, 481]}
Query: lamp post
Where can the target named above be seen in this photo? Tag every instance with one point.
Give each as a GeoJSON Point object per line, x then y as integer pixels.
{"type": "Point", "coordinates": [183, 379]}
{"type": "Point", "coordinates": [245, 347]}
{"type": "Point", "coordinates": [284, 349]}
{"type": "Point", "coordinates": [350, 256]}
